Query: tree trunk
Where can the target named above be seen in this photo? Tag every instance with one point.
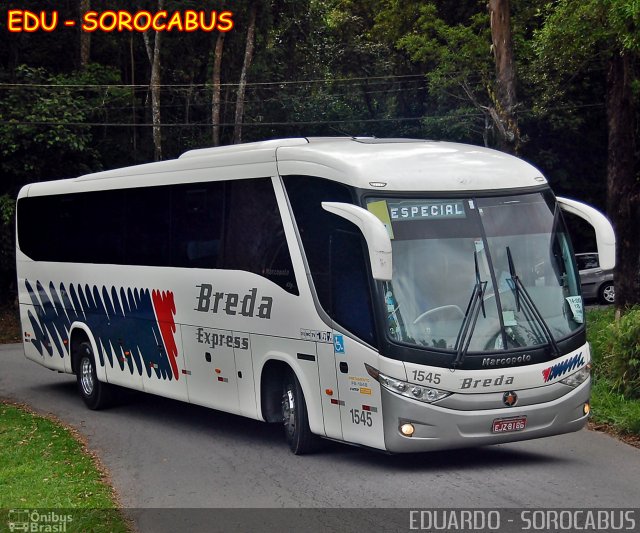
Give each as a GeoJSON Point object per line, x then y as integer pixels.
{"type": "Point", "coordinates": [248, 56]}
{"type": "Point", "coordinates": [215, 99]}
{"type": "Point", "coordinates": [505, 95]}
{"type": "Point", "coordinates": [134, 131]}
{"type": "Point", "coordinates": [187, 101]}
{"type": "Point", "coordinates": [155, 95]}
{"type": "Point", "coordinates": [154, 85]}
{"type": "Point", "coordinates": [623, 190]}
{"type": "Point", "coordinates": [85, 36]}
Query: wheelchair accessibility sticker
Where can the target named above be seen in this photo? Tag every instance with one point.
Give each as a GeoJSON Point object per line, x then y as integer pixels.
{"type": "Point", "coordinates": [338, 344]}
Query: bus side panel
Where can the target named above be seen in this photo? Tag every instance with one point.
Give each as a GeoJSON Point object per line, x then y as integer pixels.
{"type": "Point", "coordinates": [329, 382]}
{"type": "Point", "coordinates": [174, 383]}
{"type": "Point", "coordinates": [44, 320]}
{"type": "Point", "coordinates": [246, 380]}
{"type": "Point", "coordinates": [133, 326]}
{"type": "Point", "coordinates": [209, 360]}
{"type": "Point", "coordinates": [300, 355]}
{"type": "Point", "coordinates": [30, 350]}
{"type": "Point", "coordinates": [126, 367]}
{"type": "Point", "coordinates": [360, 402]}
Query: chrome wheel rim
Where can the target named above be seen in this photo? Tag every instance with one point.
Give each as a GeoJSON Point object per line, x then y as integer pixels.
{"type": "Point", "coordinates": [609, 294]}
{"type": "Point", "coordinates": [86, 376]}
{"type": "Point", "coordinates": [289, 411]}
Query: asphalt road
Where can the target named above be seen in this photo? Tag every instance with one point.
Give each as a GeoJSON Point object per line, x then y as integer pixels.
{"type": "Point", "coordinates": [167, 454]}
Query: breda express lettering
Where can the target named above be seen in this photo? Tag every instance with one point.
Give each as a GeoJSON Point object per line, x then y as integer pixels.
{"type": "Point", "coordinates": [248, 305]}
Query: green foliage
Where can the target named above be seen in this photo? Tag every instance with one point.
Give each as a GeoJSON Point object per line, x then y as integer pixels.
{"type": "Point", "coordinates": [455, 53]}
{"type": "Point", "coordinates": [624, 21]}
{"type": "Point", "coordinates": [31, 151]}
{"type": "Point", "coordinates": [616, 349]}
{"type": "Point", "coordinates": [624, 347]}
{"type": "Point", "coordinates": [450, 41]}
{"type": "Point", "coordinates": [7, 210]}
{"type": "Point", "coordinates": [568, 51]}
{"type": "Point", "coordinates": [7, 246]}
{"type": "Point", "coordinates": [611, 407]}
{"type": "Point", "coordinates": [577, 37]}
{"type": "Point", "coordinates": [613, 347]}
{"type": "Point", "coordinates": [598, 331]}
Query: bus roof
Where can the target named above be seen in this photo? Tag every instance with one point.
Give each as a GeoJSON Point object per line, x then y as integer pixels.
{"type": "Point", "coordinates": [367, 163]}
{"type": "Point", "coordinates": [409, 164]}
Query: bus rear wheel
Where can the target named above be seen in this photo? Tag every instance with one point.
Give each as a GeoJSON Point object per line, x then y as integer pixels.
{"type": "Point", "coordinates": [295, 418]}
{"type": "Point", "coordinates": [95, 394]}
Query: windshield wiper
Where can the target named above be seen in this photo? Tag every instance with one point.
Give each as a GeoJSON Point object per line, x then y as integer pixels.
{"type": "Point", "coordinates": [476, 302]}
{"type": "Point", "coordinates": [521, 293]}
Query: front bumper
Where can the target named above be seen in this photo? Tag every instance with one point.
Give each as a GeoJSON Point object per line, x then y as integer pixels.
{"type": "Point", "coordinates": [439, 428]}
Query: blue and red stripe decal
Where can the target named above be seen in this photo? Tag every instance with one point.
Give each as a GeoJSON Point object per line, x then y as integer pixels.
{"type": "Point", "coordinates": [133, 328]}
{"type": "Point", "coordinates": [560, 369]}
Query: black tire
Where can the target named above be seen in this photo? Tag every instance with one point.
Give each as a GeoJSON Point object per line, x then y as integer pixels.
{"type": "Point", "coordinates": [607, 293]}
{"type": "Point", "coordinates": [295, 418]}
{"type": "Point", "coordinates": [95, 394]}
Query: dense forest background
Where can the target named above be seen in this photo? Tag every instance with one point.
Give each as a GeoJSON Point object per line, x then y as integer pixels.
{"type": "Point", "coordinates": [554, 82]}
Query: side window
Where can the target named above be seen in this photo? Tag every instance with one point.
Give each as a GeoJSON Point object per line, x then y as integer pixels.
{"type": "Point", "coordinates": [39, 226]}
{"type": "Point", "coordinates": [180, 225]}
{"type": "Point", "coordinates": [196, 224]}
{"type": "Point", "coordinates": [147, 226]}
{"type": "Point", "coordinates": [588, 261]}
{"type": "Point", "coordinates": [98, 219]}
{"type": "Point", "coordinates": [65, 237]}
{"type": "Point", "coordinates": [349, 285]}
{"type": "Point", "coordinates": [254, 235]}
{"type": "Point", "coordinates": [83, 227]}
{"type": "Point", "coordinates": [335, 252]}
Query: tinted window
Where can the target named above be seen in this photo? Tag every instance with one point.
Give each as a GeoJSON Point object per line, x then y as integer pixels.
{"type": "Point", "coordinates": [255, 239]}
{"type": "Point", "coordinates": [98, 236]}
{"type": "Point", "coordinates": [74, 228]}
{"type": "Point", "coordinates": [335, 252]}
{"type": "Point", "coordinates": [147, 226]}
{"type": "Point", "coordinates": [178, 225]}
{"type": "Point", "coordinates": [350, 301]}
{"type": "Point", "coordinates": [587, 261]}
{"type": "Point", "coordinates": [196, 228]}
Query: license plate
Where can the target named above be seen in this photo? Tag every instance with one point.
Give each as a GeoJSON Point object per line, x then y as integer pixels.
{"type": "Point", "coordinates": [509, 425]}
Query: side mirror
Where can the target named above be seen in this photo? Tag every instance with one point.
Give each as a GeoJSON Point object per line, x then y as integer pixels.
{"type": "Point", "coordinates": [378, 241]}
{"type": "Point", "coordinates": [605, 236]}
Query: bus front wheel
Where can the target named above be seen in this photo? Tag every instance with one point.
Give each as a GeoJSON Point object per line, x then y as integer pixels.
{"type": "Point", "coordinates": [94, 393]}
{"type": "Point", "coordinates": [295, 417]}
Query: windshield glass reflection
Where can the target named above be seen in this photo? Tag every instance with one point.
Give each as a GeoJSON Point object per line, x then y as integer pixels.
{"type": "Point", "coordinates": [435, 244]}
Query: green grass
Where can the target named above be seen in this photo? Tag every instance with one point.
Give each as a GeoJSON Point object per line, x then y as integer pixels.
{"type": "Point", "coordinates": [609, 405]}
{"type": "Point", "coordinates": [614, 409]}
{"type": "Point", "coordinates": [44, 466]}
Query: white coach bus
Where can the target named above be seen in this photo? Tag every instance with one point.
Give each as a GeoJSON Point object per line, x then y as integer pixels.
{"type": "Point", "coordinates": [403, 295]}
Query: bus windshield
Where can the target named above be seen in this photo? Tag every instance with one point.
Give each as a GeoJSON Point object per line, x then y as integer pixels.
{"type": "Point", "coordinates": [515, 247]}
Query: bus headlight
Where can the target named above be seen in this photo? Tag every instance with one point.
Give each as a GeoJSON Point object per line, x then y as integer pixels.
{"type": "Point", "coordinates": [578, 377]}
{"type": "Point", "coordinates": [408, 390]}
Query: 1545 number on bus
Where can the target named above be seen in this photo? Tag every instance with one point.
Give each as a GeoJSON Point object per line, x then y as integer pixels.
{"type": "Point", "coordinates": [426, 377]}
{"type": "Point", "coordinates": [361, 417]}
